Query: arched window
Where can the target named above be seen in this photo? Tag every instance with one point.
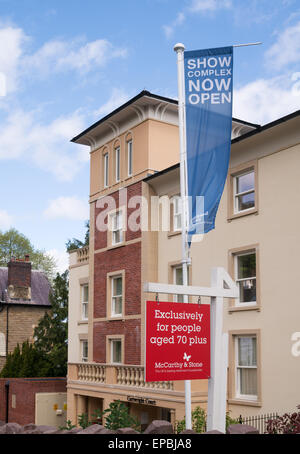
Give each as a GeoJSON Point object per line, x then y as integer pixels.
{"type": "Point", "coordinates": [129, 154]}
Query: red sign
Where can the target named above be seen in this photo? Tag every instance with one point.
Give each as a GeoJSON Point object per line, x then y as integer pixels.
{"type": "Point", "coordinates": [177, 341]}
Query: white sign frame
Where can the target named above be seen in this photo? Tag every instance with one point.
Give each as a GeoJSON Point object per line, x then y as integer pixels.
{"type": "Point", "coordinates": [222, 286]}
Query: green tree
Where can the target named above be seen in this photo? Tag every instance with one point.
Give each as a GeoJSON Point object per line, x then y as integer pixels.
{"type": "Point", "coordinates": [47, 356]}
{"type": "Point", "coordinates": [73, 244]}
{"type": "Point", "coordinates": [15, 244]}
{"type": "Point", "coordinates": [51, 334]}
{"type": "Point", "coordinates": [23, 362]}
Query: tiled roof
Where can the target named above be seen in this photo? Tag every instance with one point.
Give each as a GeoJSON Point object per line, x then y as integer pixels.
{"type": "Point", "coordinates": [40, 288]}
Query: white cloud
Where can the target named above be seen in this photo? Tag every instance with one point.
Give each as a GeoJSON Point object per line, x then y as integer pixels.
{"type": "Point", "coordinates": [117, 98]}
{"type": "Point", "coordinates": [265, 100]}
{"type": "Point", "coordinates": [169, 29]}
{"type": "Point", "coordinates": [67, 208]}
{"type": "Point", "coordinates": [12, 40]}
{"type": "Point", "coordinates": [5, 220]}
{"type": "Point", "coordinates": [195, 6]}
{"type": "Point", "coordinates": [46, 145]}
{"type": "Point", "coordinates": [61, 259]}
{"type": "Point", "coordinates": [59, 56]}
{"type": "Point", "coordinates": [209, 5]}
{"type": "Point", "coordinates": [54, 56]}
{"type": "Point", "coordinates": [286, 49]}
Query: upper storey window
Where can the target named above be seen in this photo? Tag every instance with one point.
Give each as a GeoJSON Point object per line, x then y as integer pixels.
{"type": "Point", "coordinates": [129, 157]}
{"type": "Point", "coordinates": [244, 191]}
{"type": "Point", "coordinates": [105, 169]}
{"type": "Point", "coordinates": [117, 161]}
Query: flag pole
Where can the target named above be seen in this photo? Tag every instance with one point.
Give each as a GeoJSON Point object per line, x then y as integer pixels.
{"type": "Point", "coordinates": [179, 49]}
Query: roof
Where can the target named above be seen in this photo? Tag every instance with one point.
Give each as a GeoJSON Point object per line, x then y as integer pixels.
{"type": "Point", "coordinates": [40, 289]}
{"type": "Point", "coordinates": [237, 139]}
{"type": "Point", "coordinates": [143, 93]}
{"type": "Point", "coordinates": [272, 124]}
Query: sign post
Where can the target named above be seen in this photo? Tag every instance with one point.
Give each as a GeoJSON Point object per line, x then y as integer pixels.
{"type": "Point", "coordinates": [179, 49]}
{"type": "Point", "coordinates": [217, 383]}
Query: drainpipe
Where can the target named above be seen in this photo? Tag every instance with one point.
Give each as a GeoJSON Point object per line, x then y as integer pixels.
{"type": "Point", "coordinates": [7, 400]}
{"type": "Point", "coordinates": [2, 304]}
{"type": "Point", "coordinates": [7, 331]}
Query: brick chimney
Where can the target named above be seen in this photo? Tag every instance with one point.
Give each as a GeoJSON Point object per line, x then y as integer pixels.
{"type": "Point", "coordinates": [19, 278]}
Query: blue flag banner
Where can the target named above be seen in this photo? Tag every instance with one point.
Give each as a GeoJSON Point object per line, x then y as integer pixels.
{"type": "Point", "coordinates": [208, 107]}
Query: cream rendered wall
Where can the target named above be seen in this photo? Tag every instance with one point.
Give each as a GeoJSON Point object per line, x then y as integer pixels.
{"type": "Point", "coordinates": [276, 229]}
{"type": "Point", "coordinates": [77, 327]}
{"type": "Point", "coordinates": [163, 145]}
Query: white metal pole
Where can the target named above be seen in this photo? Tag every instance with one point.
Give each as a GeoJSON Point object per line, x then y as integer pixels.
{"type": "Point", "coordinates": [179, 49]}
{"type": "Point", "coordinates": [216, 405]}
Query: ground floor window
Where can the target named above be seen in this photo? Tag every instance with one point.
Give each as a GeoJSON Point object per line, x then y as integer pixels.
{"type": "Point", "coordinates": [116, 351]}
{"type": "Point", "coordinates": [246, 367]}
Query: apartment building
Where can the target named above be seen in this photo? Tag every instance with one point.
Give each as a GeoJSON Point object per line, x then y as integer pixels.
{"type": "Point", "coordinates": [134, 163]}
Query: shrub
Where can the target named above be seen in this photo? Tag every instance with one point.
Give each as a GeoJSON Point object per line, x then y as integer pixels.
{"type": "Point", "coordinates": [288, 423]}
{"type": "Point", "coordinates": [68, 426]}
{"type": "Point", "coordinates": [199, 421]}
{"type": "Point", "coordinates": [83, 421]}
{"type": "Point", "coordinates": [117, 416]}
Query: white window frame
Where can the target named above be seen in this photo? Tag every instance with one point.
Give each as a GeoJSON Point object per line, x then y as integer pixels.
{"type": "Point", "coordinates": [118, 162]}
{"type": "Point", "coordinates": [177, 213]}
{"type": "Point", "coordinates": [129, 157]}
{"type": "Point", "coordinates": [84, 342]}
{"type": "Point", "coordinates": [236, 194]}
{"type": "Point", "coordinates": [177, 297]}
{"type": "Point", "coordinates": [105, 169]}
{"type": "Point", "coordinates": [238, 280]}
{"type": "Point", "coordinates": [239, 395]}
{"type": "Point", "coordinates": [84, 304]}
{"type": "Point", "coordinates": [114, 297]}
{"type": "Point", "coordinates": [117, 226]}
{"type": "Point", "coordinates": [112, 341]}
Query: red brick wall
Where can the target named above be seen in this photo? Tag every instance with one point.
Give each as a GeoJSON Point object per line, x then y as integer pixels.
{"type": "Point", "coordinates": [131, 329]}
{"type": "Point", "coordinates": [101, 237]}
{"type": "Point", "coordinates": [127, 258]}
{"type": "Point", "coordinates": [25, 389]}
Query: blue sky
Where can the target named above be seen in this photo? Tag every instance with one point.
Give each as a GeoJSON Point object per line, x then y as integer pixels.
{"type": "Point", "coordinates": [67, 63]}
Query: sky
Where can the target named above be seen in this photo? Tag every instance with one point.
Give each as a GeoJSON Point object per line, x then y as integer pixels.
{"type": "Point", "coordinates": [65, 64]}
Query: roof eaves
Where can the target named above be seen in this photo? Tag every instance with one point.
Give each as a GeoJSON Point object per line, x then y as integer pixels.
{"type": "Point", "coordinates": [270, 125]}
{"type": "Point", "coordinates": [123, 106]}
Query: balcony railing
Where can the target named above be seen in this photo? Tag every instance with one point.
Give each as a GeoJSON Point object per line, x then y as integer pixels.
{"type": "Point", "coordinates": [134, 376]}
{"type": "Point", "coordinates": [114, 375]}
{"type": "Point", "coordinates": [83, 254]}
{"type": "Point", "coordinates": [91, 372]}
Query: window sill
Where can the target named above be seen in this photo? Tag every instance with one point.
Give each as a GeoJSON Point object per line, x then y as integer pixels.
{"type": "Point", "coordinates": [242, 214]}
{"type": "Point", "coordinates": [175, 233]}
{"type": "Point", "coordinates": [255, 307]}
{"type": "Point", "coordinates": [116, 318]}
{"type": "Point", "coordinates": [115, 246]}
{"type": "Point", "coordinates": [249, 403]}
{"type": "Point", "coordinates": [83, 322]}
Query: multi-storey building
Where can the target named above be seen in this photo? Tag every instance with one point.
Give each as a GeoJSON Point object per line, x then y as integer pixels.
{"type": "Point", "coordinates": [24, 299]}
{"type": "Point", "coordinates": [134, 159]}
